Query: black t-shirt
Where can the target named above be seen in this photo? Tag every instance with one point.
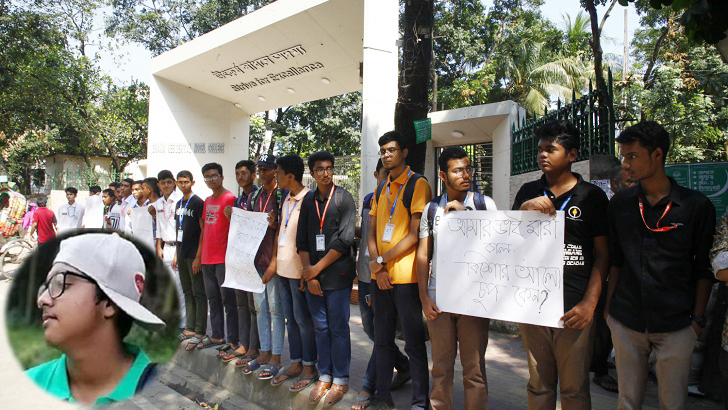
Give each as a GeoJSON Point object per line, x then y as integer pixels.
{"type": "Point", "coordinates": [192, 210]}
{"type": "Point", "coordinates": [586, 218]}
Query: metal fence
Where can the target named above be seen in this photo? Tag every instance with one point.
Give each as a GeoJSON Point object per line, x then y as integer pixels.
{"type": "Point", "coordinates": [594, 120]}
{"type": "Point", "coordinates": [347, 174]}
{"type": "Point", "coordinates": [80, 178]}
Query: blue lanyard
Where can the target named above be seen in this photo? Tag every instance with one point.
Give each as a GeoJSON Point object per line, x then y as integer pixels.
{"type": "Point", "coordinates": [183, 208]}
{"type": "Point", "coordinates": [394, 205]}
{"type": "Point", "coordinates": [290, 210]}
{"type": "Point", "coordinates": [562, 205]}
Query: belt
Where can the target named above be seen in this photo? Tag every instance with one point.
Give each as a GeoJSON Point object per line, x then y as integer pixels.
{"type": "Point", "coordinates": [170, 243]}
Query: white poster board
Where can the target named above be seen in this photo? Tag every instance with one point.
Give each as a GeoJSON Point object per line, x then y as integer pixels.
{"type": "Point", "coordinates": [93, 215]}
{"type": "Point", "coordinates": [142, 225]}
{"type": "Point", "coordinates": [505, 265]}
{"type": "Point", "coordinates": [247, 230]}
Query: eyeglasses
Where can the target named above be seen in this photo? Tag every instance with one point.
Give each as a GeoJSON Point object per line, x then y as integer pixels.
{"type": "Point", "coordinates": [462, 171]}
{"type": "Point", "coordinates": [212, 178]}
{"type": "Point", "coordinates": [56, 284]}
{"type": "Point", "coordinates": [383, 152]}
{"type": "Point", "coordinates": [321, 171]}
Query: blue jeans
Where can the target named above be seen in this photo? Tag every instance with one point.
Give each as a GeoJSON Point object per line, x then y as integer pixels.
{"type": "Point", "coordinates": [301, 337]}
{"type": "Point", "coordinates": [268, 305]}
{"type": "Point", "coordinates": [330, 314]}
{"type": "Point", "coordinates": [401, 363]}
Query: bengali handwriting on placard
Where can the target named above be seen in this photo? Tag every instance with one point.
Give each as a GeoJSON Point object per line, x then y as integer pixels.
{"type": "Point", "coordinates": [247, 230]}
{"type": "Point", "coordinates": [259, 63]}
{"type": "Point", "coordinates": [505, 265]}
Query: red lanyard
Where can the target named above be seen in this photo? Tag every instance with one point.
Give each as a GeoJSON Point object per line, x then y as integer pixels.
{"type": "Point", "coordinates": [657, 227]}
{"type": "Point", "coordinates": [268, 199]}
{"type": "Point", "coordinates": [326, 208]}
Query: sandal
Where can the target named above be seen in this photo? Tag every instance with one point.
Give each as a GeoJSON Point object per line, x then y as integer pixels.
{"type": "Point", "coordinates": [286, 375]}
{"type": "Point", "coordinates": [251, 366]}
{"type": "Point", "coordinates": [207, 342]}
{"type": "Point", "coordinates": [268, 372]}
{"type": "Point", "coordinates": [182, 336]}
{"type": "Point", "coordinates": [362, 402]}
{"type": "Point", "coordinates": [318, 392]}
{"type": "Point", "coordinates": [303, 383]}
{"type": "Point", "coordinates": [225, 350]}
{"type": "Point", "coordinates": [247, 358]}
{"type": "Point", "coordinates": [606, 382]}
{"type": "Point", "coordinates": [225, 347]}
{"type": "Point", "coordinates": [228, 357]}
{"type": "Point", "coordinates": [192, 343]}
{"type": "Point", "coordinates": [336, 393]}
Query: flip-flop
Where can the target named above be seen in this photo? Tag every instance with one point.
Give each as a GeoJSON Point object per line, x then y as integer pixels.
{"type": "Point", "coordinates": [229, 357]}
{"type": "Point", "coordinates": [272, 372]}
{"type": "Point", "coordinates": [606, 382]}
{"type": "Point", "coordinates": [252, 366]}
{"type": "Point", "coordinates": [192, 343]}
{"type": "Point", "coordinates": [286, 375]}
{"type": "Point", "coordinates": [363, 402]}
{"type": "Point", "coordinates": [207, 342]}
{"type": "Point", "coordinates": [247, 358]}
{"type": "Point", "coordinates": [308, 381]}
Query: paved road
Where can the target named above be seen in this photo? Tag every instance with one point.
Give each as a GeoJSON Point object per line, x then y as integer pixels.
{"type": "Point", "coordinates": [506, 367]}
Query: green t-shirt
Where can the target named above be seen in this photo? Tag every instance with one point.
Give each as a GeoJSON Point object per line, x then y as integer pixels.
{"type": "Point", "coordinates": [53, 378]}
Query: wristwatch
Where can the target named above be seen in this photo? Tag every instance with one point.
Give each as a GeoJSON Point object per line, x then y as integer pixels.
{"type": "Point", "coordinates": [699, 320]}
{"type": "Point", "coordinates": [380, 260]}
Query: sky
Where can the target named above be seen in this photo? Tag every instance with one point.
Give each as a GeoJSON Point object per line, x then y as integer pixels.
{"type": "Point", "coordinates": [132, 61]}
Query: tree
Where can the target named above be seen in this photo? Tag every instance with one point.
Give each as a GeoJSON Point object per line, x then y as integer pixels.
{"type": "Point", "coordinates": [412, 101]}
{"type": "Point", "coordinates": [704, 20]}
{"type": "Point", "coordinates": [22, 153]}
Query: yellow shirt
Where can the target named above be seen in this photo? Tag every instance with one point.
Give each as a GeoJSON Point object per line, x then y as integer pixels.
{"type": "Point", "coordinates": [401, 269]}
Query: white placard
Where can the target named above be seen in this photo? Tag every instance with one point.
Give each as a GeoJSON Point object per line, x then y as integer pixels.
{"type": "Point", "coordinates": [93, 215]}
{"type": "Point", "coordinates": [142, 225]}
{"type": "Point", "coordinates": [505, 265]}
{"type": "Point", "coordinates": [247, 230]}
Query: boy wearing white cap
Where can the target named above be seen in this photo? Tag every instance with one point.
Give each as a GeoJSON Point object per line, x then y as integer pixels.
{"type": "Point", "coordinates": [89, 300]}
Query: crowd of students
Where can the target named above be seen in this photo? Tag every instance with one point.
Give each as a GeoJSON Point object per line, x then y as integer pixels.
{"type": "Point", "coordinates": [644, 254]}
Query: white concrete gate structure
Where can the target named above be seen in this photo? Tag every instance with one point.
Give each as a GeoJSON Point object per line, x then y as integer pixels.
{"type": "Point", "coordinates": [289, 52]}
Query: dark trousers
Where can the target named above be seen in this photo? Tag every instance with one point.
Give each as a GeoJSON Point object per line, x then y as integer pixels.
{"type": "Point", "coordinates": [401, 363]}
{"type": "Point", "coordinates": [723, 359]}
{"type": "Point", "coordinates": [247, 320]}
{"type": "Point", "coordinates": [402, 301]}
{"type": "Point", "coordinates": [193, 289]}
{"type": "Point", "coordinates": [220, 297]}
{"type": "Point", "coordinates": [602, 341]}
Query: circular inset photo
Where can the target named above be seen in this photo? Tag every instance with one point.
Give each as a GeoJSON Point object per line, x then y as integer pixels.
{"type": "Point", "coordinates": [91, 316]}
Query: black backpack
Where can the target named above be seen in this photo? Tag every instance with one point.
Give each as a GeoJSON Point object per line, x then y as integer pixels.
{"type": "Point", "coordinates": [409, 190]}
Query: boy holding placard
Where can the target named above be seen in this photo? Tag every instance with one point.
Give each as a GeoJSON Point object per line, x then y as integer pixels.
{"type": "Point", "coordinates": [562, 356]}
{"type": "Point", "coordinates": [448, 330]}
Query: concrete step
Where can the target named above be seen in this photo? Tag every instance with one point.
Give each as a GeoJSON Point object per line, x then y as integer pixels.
{"type": "Point", "coordinates": [205, 365]}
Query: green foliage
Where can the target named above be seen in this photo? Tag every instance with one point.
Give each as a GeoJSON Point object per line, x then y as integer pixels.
{"type": "Point", "coordinates": [704, 20]}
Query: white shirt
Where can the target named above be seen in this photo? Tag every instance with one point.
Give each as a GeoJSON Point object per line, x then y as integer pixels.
{"type": "Point", "coordinates": [166, 231]}
{"type": "Point", "coordinates": [69, 216]}
{"type": "Point", "coordinates": [425, 232]}
{"type": "Point", "coordinates": [93, 212]}
{"type": "Point", "coordinates": [114, 216]}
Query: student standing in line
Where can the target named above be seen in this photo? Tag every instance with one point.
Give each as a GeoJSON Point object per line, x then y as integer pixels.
{"type": "Point", "coordinates": [247, 316]}
{"type": "Point", "coordinates": [127, 202]}
{"type": "Point", "coordinates": [70, 215]}
{"type": "Point", "coordinates": [450, 330]}
{"type": "Point", "coordinates": [94, 197]}
{"type": "Point", "coordinates": [188, 225]}
{"type": "Point", "coordinates": [268, 303]}
{"type": "Point", "coordinates": [401, 363]}
{"type": "Point", "coordinates": [211, 255]}
{"type": "Point", "coordinates": [44, 222]}
{"type": "Point", "coordinates": [562, 356]}
{"type": "Point", "coordinates": [324, 240]}
{"type": "Point", "coordinates": [112, 211]}
{"type": "Point", "coordinates": [394, 222]}
{"type": "Point", "coordinates": [660, 276]}
{"type": "Point", "coordinates": [301, 338]}
{"type": "Point", "coordinates": [166, 236]}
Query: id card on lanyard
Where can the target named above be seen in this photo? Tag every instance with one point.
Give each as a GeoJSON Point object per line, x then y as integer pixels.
{"type": "Point", "coordinates": [389, 227]}
{"type": "Point", "coordinates": [321, 238]}
{"type": "Point", "coordinates": [563, 205]}
{"type": "Point", "coordinates": [284, 231]}
{"type": "Point", "coordinates": [182, 210]}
